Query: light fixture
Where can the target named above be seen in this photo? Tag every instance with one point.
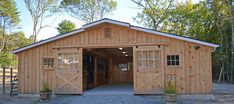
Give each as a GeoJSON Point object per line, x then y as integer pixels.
{"type": "Point", "coordinates": [120, 48]}
{"type": "Point", "coordinates": [126, 55]}
{"type": "Point", "coordinates": [124, 52]}
{"type": "Point", "coordinates": [197, 47]}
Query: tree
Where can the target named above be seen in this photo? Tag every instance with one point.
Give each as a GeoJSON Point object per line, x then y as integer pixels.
{"type": "Point", "coordinates": [9, 17]}
{"type": "Point", "coordinates": [198, 21]}
{"type": "Point", "coordinates": [208, 24]}
{"type": "Point", "coordinates": [14, 41]}
{"type": "Point", "coordinates": [154, 12]}
{"type": "Point", "coordinates": [88, 10]}
{"type": "Point", "coordinates": [17, 40]}
{"type": "Point", "coordinates": [66, 26]}
{"type": "Point", "coordinates": [224, 9]}
{"type": "Point", "coordinates": [230, 7]}
{"type": "Point", "coordinates": [39, 10]}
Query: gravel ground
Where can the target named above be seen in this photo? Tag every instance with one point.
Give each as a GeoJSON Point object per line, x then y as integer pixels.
{"type": "Point", "coordinates": [107, 99]}
{"type": "Point", "coordinates": [222, 94]}
{"type": "Point", "coordinates": [6, 99]}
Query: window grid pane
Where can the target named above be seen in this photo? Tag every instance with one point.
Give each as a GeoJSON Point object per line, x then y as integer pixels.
{"type": "Point", "coordinates": [48, 62]}
{"type": "Point", "coordinates": [148, 59]}
{"type": "Point", "coordinates": [68, 61]}
{"type": "Point", "coordinates": [173, 60]}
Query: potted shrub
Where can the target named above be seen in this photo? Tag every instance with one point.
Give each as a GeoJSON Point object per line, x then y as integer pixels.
{"type": "Point", "coordinates": [170, 93]}
{"type": "Point", "coordinates": [45, 92]}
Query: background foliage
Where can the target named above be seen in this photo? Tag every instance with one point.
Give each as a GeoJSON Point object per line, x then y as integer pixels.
{"type": "Point", "coordinates": [66, 26]}
{"type": "Point", "coordinates": [203, 21]}
{"type": "Point", "coordinates": [9, 19]}
{"type": "Point", "coordinates": [88, 10]}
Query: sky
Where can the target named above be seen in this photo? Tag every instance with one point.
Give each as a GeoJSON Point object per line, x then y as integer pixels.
{"type": "Point", "coordinates": [125, 12]}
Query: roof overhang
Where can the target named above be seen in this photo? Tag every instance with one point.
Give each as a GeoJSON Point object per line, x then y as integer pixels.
{"type": "Point", "coordinates": [106, 20]}
{"type": "Point", "coordinates": [47, 40]}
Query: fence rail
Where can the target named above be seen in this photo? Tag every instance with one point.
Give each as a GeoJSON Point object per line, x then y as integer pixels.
{"type": "Point", "coordinates": [6, 75]}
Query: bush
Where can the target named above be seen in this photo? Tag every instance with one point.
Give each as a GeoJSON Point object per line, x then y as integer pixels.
{"type": "Point", "coordinates": [45, 88]}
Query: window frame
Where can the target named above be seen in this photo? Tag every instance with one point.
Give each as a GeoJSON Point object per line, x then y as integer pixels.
{"type": "Point", "coordinates": [159, 48]}
{"type": "Point", "coordinates": [107, 32]}
{"type": "Point", "coordinates": [173, 60]}
{"type": "Point", "coordinates": [149, 69]}
{"type": "Point", "coordinates": [43, 63]}
{"type": "Point", "coordinates": [67, 52]}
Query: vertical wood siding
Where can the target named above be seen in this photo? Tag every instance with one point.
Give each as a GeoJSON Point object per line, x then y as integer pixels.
{"type": "Point", "coordinates": [192, 76]}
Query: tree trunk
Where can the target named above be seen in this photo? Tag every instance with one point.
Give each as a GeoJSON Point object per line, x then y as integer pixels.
{"type": "Point", "coordinates": [34, 33]}
{"type": "Point", "coordinates": [3, 35]}
{"type": "Point", "coordinates": [222, 58]}
{"type": "Point", "coordinates": [220, 74]}
{"type": "Point", "coordinates": [232, 52]}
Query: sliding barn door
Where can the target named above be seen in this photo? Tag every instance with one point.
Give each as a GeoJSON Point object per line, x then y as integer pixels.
{"type": "Point", "coordinates": [148, 70]}
{"type": "Point", "coordinates": [69, 71]}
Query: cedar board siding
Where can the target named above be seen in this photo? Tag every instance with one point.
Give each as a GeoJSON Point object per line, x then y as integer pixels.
{"type": "Point", "coordinates": [192, 76]}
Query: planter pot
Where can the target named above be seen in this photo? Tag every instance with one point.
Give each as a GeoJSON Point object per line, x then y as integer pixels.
{"type": "Point", "coordinates": [45, 95]}
{"type": "Point", "coordinates": [171, 97]}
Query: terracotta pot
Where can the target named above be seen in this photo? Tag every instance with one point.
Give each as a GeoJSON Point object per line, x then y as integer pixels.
{"type": "Point", "coordinates": [171, 97]}
{"type": "Point", "coordinates": [45, 95]}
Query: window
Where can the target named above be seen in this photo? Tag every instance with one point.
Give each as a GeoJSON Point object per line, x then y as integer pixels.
{"type": "Point", "coordinates": [148, 59]}
{"type": "Point", "coordinates": [68, 61]}
{"type": "Point", "coordinates": [48, 63]}
{"type": "Point", "coordinates": [107, 32]}
{"type": "Point", "coordinates": [123, 67]}
{"type": "Point", "coordinates": [173, 60]}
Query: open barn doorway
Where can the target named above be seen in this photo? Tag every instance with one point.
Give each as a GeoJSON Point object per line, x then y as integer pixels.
{"type": "Point", "coordinates": [108, 70]}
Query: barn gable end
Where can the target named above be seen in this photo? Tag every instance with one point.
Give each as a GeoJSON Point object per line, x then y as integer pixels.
{"type": "Point", "coordinates": [119, 23]}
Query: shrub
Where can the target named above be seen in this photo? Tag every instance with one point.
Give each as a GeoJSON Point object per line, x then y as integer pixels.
{"type": "Point", "coordinates": [45, 88]}
{"type": "Point", "coordinates": [170, 89]}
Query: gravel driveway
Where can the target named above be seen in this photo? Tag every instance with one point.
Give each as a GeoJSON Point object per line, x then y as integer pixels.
{"type": "Point", "coordinates": [222, 94]}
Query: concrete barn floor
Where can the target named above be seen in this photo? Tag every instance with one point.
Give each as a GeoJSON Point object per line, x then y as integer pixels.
{"type": "Point", "coordinates": [122, 94]}
{"type": "Point", "coordinates": [113, 88]}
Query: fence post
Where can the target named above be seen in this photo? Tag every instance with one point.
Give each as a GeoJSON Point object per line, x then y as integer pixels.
{"type": "Point", "coordinates": [3, 79]}
{"type": "Point", "coordinates": [11, 73]}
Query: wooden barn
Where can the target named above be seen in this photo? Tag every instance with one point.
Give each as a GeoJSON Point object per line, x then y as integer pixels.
{"type": "Point", "coordinates": [113, 51]}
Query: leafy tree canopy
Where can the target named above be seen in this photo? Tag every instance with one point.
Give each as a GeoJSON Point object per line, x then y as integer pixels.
{"type": "Point", "coordinates": [154, 12]}
{"type": "Point", "coordinates": [14, 41]}
{"type": "Point", "coordinates": [200, 21]}
{"type": "Point", "coordinates": [8, 11]}
{"type": "Point", "coordinates": [9, 18]}
{"type": "Point", "coordinates": [88, 10]}
{"type": "Point", "coordinates": [66, 26]}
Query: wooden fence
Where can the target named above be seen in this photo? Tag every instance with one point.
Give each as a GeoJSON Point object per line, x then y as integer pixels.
{"type": "Point", "coordinates": [6, 75]}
